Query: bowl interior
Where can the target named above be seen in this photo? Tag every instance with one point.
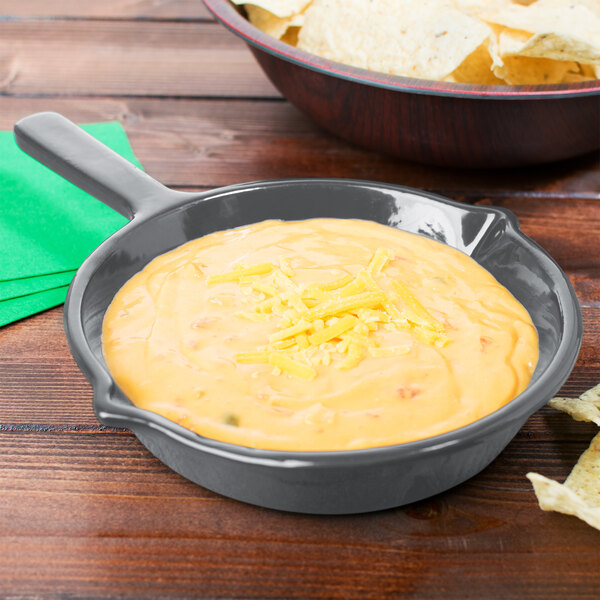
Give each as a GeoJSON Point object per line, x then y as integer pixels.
{"type": "Point", "coordinates": [487, 234]}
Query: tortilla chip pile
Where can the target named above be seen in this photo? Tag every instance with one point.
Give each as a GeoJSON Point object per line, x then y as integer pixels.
{"type": "Point", "coordinates": [495, 42]}
{"type": "Point", "coordinates": [579, 495]}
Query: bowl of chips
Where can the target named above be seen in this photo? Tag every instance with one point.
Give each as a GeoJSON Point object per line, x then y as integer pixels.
{"type": "Point", "coordinates": [466, 83]}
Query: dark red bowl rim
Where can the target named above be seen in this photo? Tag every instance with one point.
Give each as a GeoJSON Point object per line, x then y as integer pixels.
{"type": "Point", "coordinates": [226, 13]}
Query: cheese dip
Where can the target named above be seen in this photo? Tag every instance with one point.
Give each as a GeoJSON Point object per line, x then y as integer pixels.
{"type": "Point", "coordinates": [324, 334]}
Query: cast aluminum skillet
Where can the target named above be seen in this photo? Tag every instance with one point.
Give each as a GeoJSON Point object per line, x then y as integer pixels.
{"type": "Point", "coordinates": [311, 482]}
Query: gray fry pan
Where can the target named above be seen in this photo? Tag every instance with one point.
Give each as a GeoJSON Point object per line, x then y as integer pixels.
{"type": "Point", "coordinates": [311, 482]}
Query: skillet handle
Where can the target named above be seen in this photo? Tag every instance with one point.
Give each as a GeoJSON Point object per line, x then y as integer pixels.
{"type": "Point", "coordinates": [69, 151]}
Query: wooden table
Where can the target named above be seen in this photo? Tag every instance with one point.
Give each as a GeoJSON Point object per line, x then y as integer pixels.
{"type": "Point", "coordinates": [87, 512]}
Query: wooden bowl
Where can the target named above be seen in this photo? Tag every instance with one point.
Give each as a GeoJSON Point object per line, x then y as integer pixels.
{"type": "Point", "coordinates": [449, 124]}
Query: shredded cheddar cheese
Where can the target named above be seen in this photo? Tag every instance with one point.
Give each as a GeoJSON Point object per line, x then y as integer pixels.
{"type": "Point", "coordinates": [288, 365]}
{"type": "Point", "coordinates": [288, 332]}
{"type": "Point", "coordinates": [325, 322]}
{"type": "Point", "coordinates": [416, 312]}
{"type": "Point", "coordinates": [333, 285]}
{"type": "Point", "coordinates": [334, 330]}
{"type": "Point", "coordinates": [286, 267]}
{"type": "Point", "coordinates": [241, 273]}
{"type": "Point", "coordinates": [354, 355]}
{"type": "Point", "coordinates": [379, 260]}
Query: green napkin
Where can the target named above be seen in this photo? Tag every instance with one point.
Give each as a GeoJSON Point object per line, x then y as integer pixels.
{"type": "Point", "coordinates": [14, 288]}
{"type": "Point", "coordinates": [48, 225]}
{"type": "Point", "coordinates": [25, 306]}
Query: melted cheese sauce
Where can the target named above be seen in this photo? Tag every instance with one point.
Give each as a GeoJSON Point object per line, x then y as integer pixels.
{"type": "Point", "coordinates": [170, 340]}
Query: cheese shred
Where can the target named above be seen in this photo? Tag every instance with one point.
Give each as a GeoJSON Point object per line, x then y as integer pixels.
{"type": "Point", "coordinates": [288, 365]}
{"type": "Point", "coordinates": [241, 273]}
{"type": "Point", "coordinates": [333, 331]}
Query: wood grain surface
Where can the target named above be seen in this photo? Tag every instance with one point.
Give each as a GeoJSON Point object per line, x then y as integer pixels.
{"type": "Point", "coordinates": [87, 512]}
{"type": "Point", "coordinates": [176, 10]}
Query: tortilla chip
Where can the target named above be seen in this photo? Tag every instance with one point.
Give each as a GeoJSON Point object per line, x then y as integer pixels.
{"type": "Point", "coordinates": [473, 7]}
{"type": "Point", "coordinates": [591, 71]}
{"type": "Point", "coordinates": [523, 70]}
{"type": "Point", "coordinates": [591, 5]}
{"type": "Point", "coordinates": [493, 45]}
{"type": "Point", "coordinates": [566, 31]}
{"type": "Point", "coordinates": [270, 23]}
{"type": "Point", "coordinates": [580, 494]}
{"type": "Point", "coordinates": [559, 47]}
{"type": "Point", "coordinates": [291, 36]}
{"type": "Point", "coordinates": [577, 77]}
{"type": "Point", "coordinates": [584, 408]}
{"type": "Point", "coordinates": [554, 496]}
{"type": "Point", "coordinates": [279, 8]}
{"type": "Point", "coordinates": [427, 39]}
{"type": "Point", "coordinates": [476, 68]}
{"type": "Point", "coordinates": [516, 69]}
{"type": "Point", "coordinates": [584, 479]}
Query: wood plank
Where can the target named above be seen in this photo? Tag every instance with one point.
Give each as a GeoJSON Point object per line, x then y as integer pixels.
{"type": "Point", "coordinates": [63, 567]}
{"type": "Point", "coordinates": [127, 59]}
{"type": "Point", "coordinates": [114, 469]}
{"type": "Point", "coordinates": [106, 9]}
{"type": "Point", "coordinates": [568, 228]}
{"type": "Point", "coordinates": [136, 528]}
{"type": "Point", "coordinates": [42, 387]}
{"type": "Point", "coordinates": [209, 143]}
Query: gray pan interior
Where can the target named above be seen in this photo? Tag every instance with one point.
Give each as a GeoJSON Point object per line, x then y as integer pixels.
{"type": "Point", "coordinates": [311, 482]}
